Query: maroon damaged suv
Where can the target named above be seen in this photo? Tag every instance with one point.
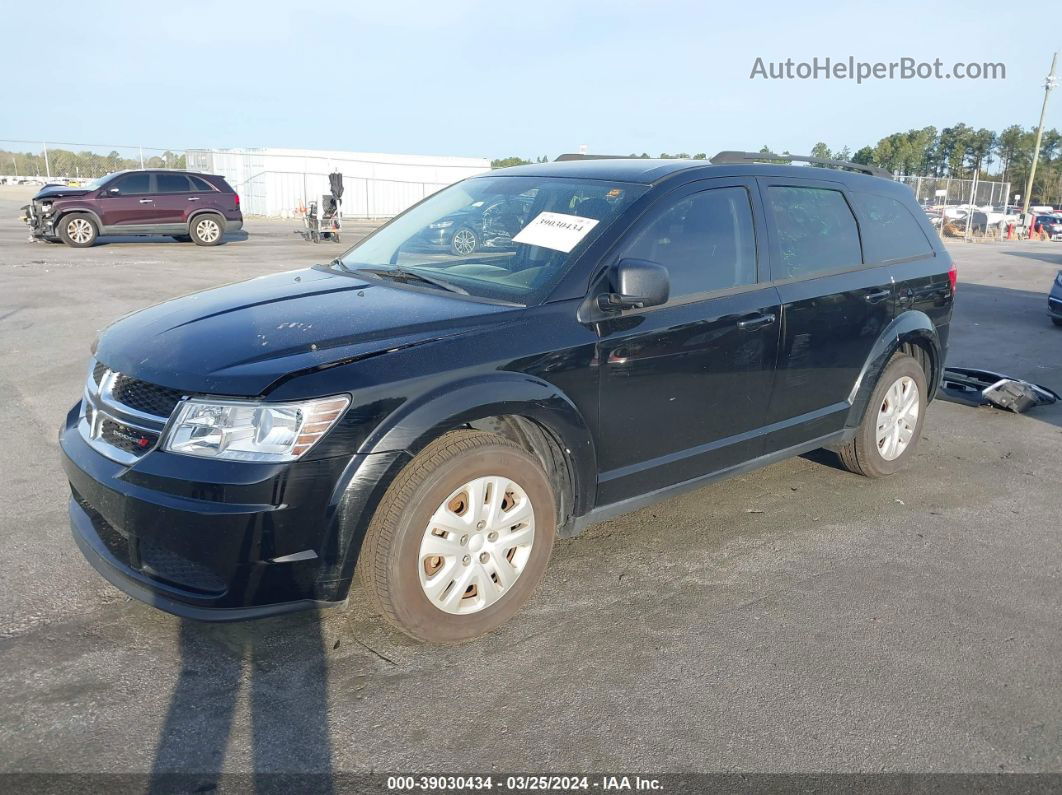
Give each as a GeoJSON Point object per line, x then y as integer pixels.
{"type": "Point", "coordinates": [188, 207]}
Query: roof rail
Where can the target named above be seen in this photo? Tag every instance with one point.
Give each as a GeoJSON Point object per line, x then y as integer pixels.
{"type": "Point", "coordinates": [570, 156]}
{"type": "Point", "coordinates": [752, 157]}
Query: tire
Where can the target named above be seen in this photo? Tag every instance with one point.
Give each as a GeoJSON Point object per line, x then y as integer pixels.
{"type": "Point", "coordinates": [183, 238]}
{"type": "Point", "coordinates": [207, 229]}
{"type": "Point", "coordinates": [877, 455]}
{"type": "Point", "coordinates": [78, 230]}
{"type": "Point", "coordinates": [417, 591]}
{"type": "Point", "coordinates": [464, 242]}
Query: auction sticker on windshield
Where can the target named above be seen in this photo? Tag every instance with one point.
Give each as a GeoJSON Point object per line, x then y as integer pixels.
{"type": "Point", "coordinates": [557, 231]}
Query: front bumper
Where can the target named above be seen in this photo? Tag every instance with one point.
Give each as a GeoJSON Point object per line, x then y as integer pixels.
{"type": "Point", "coordinates": [221, 541]}
{"type": "Point", "coordinates": [1054, 306]}
{"type": "Point", "coordinates": [40, 225]}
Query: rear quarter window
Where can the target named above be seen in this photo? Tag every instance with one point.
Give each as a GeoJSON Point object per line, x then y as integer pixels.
{"type": "Point", "coordinates": [199, 184]}
{"type": "Point", "coordinates": [890, 231]}
{"type": "Point", "coordinates": [815, 229]}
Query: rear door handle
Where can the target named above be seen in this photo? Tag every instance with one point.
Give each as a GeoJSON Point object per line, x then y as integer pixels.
{"type": "Point", "coordinates": [756, 321]}
{"type": "Point", "coordinates": [876, 296]}
{"type": "Point", "coordinates": [146, 201]}
{"type": "Point", "coordinates": [193, 198]}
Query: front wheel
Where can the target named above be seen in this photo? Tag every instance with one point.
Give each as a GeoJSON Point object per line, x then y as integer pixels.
{"type": "Point", "coordinates": [78, 230]}
{"type": "Point", "coordinates": [891, 427]}
{"type": "Point", "coordinates": [461, 539]}
{"type": "Point", "coordinates": [463, 242]}
{"type": "Point", "coordinates": [207, 230]}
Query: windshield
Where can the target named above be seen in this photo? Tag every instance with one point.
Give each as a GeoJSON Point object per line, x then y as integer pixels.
{"type": "Point", "coordinates": [92, 184]}
{"type": "Point", "coordinates": [504, 238]}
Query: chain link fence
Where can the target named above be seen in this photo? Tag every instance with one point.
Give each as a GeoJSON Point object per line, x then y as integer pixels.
{"type": "Point", "coordinates": [947, 191]}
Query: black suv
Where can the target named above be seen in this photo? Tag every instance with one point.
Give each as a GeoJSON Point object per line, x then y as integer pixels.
{"type": "Point", "coordinates": [435, 420]}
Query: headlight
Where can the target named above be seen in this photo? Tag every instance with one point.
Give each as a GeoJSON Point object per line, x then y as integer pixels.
{"type": "Point", "coordinates": [244, 430]}
{"type": "Point", "coordinates": [46, 208]}
{"type": "Point", "coordinates": [440, 225]}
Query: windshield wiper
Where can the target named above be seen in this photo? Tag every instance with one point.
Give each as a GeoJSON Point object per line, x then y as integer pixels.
{"type": "Point", "coordinates": [401, 274]}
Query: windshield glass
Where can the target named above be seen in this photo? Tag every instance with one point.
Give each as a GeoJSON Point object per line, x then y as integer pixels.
{"type": "Point", "coordinates": [505, 238]}
{"type": "Point", "coordinates": [92, 184]}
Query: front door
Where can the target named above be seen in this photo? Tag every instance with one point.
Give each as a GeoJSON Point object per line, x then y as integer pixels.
{"type": "Point", "coordinates": [834, 308]}
{"type": "Point", "coordinates": [127, 203]}
{"type": "Point", "coordinates": [685, 386]}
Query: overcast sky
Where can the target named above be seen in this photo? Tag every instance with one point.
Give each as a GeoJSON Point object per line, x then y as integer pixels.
{"type": "Point", "coordinates": [497, 78]}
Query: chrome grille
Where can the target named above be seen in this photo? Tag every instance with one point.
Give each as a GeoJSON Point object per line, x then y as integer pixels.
{"type": "Point", "coordinates": [121, 417]}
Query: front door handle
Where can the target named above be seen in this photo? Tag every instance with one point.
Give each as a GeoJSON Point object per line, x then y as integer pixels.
{"type": "Point", "coordinates": [146, 201]}
{"type": "Point", "coordinates": [756, 321]}
{"type": "Point", "coordinates": [877, 296]}
{"type": "Point", "coordinates": [193, 198]}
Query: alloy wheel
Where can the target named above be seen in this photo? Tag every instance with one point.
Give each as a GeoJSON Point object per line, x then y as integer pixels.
{"type": "Point", "coordinates": [208, 230]}
{"type": "Point", "coordinates": [464, 241]}
{"type": "Point", "coordinates": [79, 230]}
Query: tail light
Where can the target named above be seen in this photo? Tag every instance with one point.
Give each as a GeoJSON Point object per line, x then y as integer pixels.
{"type": "Point", "coordinates": [236, 198]}
{"type": "Point", "coordinates": [953, 277]}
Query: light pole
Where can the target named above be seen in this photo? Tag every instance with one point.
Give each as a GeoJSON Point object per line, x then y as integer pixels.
{"type": "Point", "coordinates": [1049, 84]}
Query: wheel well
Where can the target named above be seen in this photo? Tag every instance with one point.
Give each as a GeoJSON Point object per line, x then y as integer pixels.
{"type": "Point", "coordinates": [922, 353]}
{"type": "Point", "coordinates": [546, 447]}
{"type": "Point", "coordinates": [74, 211]}
{"type": "Point", "coordinates": [199, 213]}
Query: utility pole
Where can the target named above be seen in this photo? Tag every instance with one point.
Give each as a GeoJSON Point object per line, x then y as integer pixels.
{"type": "Point", "coordinates": [48, 168]}
{"type": "Point", "coordinates": [1049, 84]}
{"type": "Point", "coordinates": [142, 148]}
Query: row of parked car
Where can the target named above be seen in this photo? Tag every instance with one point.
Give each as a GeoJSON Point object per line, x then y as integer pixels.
{"type": "Point", "coordinates": [201, 208]}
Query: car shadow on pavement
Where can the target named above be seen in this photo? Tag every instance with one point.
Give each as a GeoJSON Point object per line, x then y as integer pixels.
{"type": "Point", "coordinates": [280, 664]}
{"type": "Point", "coordinates": [106, 240]}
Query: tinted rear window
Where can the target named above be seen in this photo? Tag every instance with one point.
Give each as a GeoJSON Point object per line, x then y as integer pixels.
{"type": "Point", "coordinates": [200, 184]}
{"type": "Point", "coordinates": [890, 231]}
{"type": "Point", "coordinates": [171, 183]}
{"type": "Point", "coordinates": [816, 230]}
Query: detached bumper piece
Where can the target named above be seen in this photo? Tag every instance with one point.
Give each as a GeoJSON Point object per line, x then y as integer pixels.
{"type": "Point", "coordinates": [972, 387]}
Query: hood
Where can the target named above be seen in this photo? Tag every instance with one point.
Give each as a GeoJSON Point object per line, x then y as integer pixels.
{"type": "Point", "coordinates": [57, 191]}
{"type": "Point", "coordinates": [239, 339]}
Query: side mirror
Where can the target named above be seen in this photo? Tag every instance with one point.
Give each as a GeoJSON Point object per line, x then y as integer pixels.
{"type": "Point", "coordinates": [638, 283]}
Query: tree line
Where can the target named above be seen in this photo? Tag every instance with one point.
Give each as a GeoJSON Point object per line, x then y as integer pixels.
{"type": "Point", "coordinates": [85, 165]}
{"type": "Point", "coordinates": [958, 152]}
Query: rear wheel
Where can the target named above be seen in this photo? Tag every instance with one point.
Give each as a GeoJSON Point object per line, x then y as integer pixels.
{"type": "Point", "coordinates": [461, 539]}
{"type": "Point", "coordinates": [892, 424]}
{"type": "Point", "coordinates": [78, 230]}
{"type": "Point", "coordinates": [207, 230]}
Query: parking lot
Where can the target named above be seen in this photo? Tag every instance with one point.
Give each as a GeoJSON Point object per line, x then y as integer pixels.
{"type": "Point", "coordinates": [799, 618]}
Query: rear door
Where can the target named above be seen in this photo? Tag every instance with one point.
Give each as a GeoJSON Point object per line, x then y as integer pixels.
{"type": "Point", "coordinates": [173, 197]}
{"type": "Point", "coordinates": [127, 202]}
{"type": "Point", "coordinates": [833, 306]}
{"type": "Point", "coordinates": [685, 386]}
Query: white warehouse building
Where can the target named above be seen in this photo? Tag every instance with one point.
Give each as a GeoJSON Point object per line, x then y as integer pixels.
{"type": "Point", "coordinates": [282, 182]}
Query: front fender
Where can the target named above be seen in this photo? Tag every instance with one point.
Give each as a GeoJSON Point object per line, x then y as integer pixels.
{"type": "Point", "coordinates": [910, 327]}
{"type": "Point", "coordinates": [420, 421]}
{"type": "Point", "coordinates": [66, 210]}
